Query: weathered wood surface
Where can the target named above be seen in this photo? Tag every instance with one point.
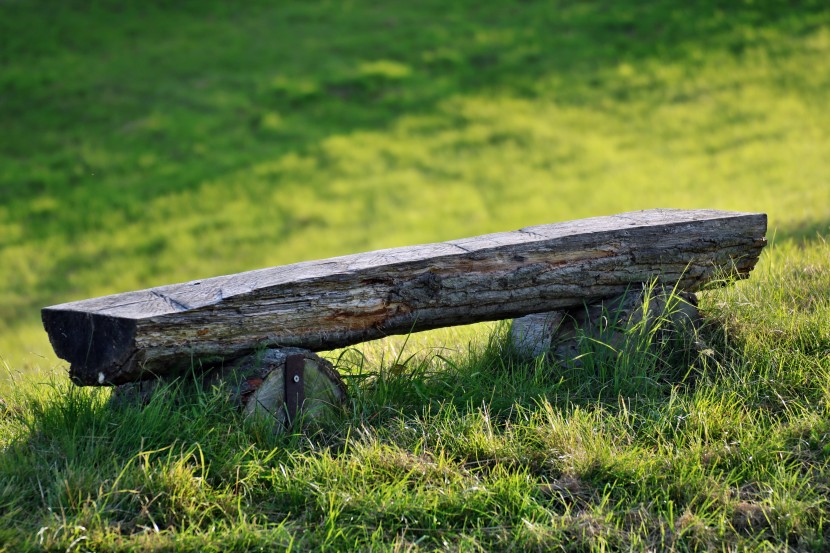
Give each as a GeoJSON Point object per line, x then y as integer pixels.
{"type": "Point", "coordinates": [342, 301]}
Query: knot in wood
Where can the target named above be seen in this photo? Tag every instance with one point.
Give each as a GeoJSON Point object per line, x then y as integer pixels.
{"type": "Point", "coordinates": [423, 288]}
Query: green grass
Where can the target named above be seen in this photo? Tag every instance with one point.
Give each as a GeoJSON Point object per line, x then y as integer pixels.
{"type": "Point", "coordinates": [144, 143]}
{"type": "Point", "coordinates": [471, 450]}
{"type": "Point", "coordinates": [148, 143]}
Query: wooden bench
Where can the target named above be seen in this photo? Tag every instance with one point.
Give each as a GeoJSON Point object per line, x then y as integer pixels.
{"type": "Point", "coordinates": [337, 302]}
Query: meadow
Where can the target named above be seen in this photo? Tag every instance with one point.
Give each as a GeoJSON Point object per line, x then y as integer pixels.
{"type": "Point", "coordinates": [145, 143]}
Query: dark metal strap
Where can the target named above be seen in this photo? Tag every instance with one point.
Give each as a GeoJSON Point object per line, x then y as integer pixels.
{"type": "Point", "coordinates": [294, 386]}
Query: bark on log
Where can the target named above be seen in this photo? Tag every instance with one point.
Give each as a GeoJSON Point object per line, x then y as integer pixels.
{"type": "Point", "coordinates": [342, 301]}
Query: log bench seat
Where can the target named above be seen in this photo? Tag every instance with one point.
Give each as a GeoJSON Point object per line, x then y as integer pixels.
{"type": "Point", "coordinates": [342, 301]}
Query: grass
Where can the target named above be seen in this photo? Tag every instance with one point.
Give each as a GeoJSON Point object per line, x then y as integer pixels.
{"type": "Point", "coordinates": [148, 143]}
{"type": "Point", "coordinates": [470, 451]}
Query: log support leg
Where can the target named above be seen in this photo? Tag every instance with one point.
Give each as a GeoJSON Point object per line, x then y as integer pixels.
{"type": "Point", "coordinates": [284, 385]}
{"type": "Point", "coordinates": [559, 333]}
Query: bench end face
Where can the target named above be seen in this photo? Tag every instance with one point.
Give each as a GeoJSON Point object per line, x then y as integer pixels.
{"type": "Point", "coordinates": [97, 349]}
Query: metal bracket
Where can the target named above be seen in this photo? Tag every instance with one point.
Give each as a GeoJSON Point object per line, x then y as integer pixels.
{"type": "Point", "coordinates": [294, 386]}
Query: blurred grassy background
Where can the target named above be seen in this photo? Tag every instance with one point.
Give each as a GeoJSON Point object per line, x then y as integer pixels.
{"type": "Point", "coordinates": [144, 143]}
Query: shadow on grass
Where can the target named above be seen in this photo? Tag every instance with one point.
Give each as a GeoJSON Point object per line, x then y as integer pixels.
{"type": "Point", "coordinates": [186, 461]}
{"type": "Point", "coordinates": [72, 425]}
{"type": "Point", "coordinates": [801, 232]}
{"type": "Point", "coordinates": [499, 380]}
{"type": "Point", "coordinates": [157, 91]}
{"type": "Point", "coordinates": [475, 439]}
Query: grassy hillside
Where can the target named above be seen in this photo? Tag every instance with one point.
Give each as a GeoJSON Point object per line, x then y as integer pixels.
{"type": "Point", "coordinates": [144, 143]}
{"type": "Point", "coordinates": [463, 450]}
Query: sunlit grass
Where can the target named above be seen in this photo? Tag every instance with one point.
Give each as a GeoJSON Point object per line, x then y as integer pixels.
{"type": "Point", "coordinates": [147, 143]}
{"type": "Point", "coordinates": [467, 450]}
{"type": "Point", "coordinates": [161, 164]}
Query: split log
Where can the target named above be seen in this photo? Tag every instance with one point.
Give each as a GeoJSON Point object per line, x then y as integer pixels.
{"type": "Point", "coordinates": [257, 384]}
{"type": "Point", "coordinates": [563, 333]}
{"type": "Point", "coordinates": [342, 301]}
{"type": "Point", "coordinates": [266, 390]}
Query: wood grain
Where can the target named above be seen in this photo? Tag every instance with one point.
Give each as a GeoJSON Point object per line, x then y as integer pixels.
{"type": "Point", "coordinates": [342, 301]}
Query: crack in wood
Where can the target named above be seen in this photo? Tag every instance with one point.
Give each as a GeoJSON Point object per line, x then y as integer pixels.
{"type": "Point", "coordinates": [531, 233]}
{"type": "Point", "coordinates": [179, 306]}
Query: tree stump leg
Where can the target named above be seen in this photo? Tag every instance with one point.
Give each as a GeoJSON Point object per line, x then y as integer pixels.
{"type": "Point", "coordinates": [258, 384]}
{"type": "Point", "coordinates": [533, 335]}
{"type": "Point", "coordinates": [558, 333]}
{"type": "Point", "coordinates": [312, 391]}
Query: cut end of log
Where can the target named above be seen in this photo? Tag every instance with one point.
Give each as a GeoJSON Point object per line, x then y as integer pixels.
{"type": "Point", "coordinates": [96, 346]}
